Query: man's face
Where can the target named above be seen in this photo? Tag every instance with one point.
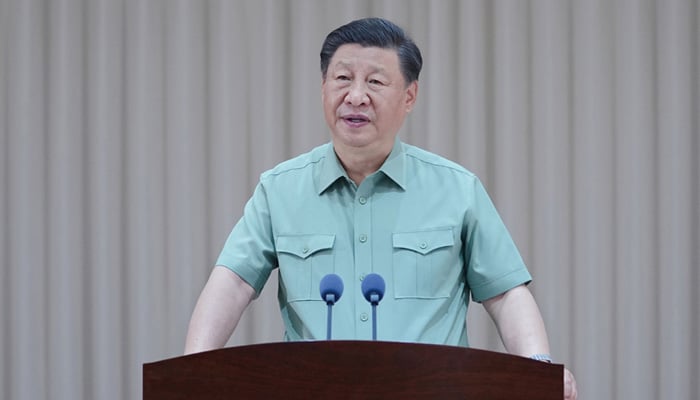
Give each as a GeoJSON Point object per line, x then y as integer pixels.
{"type": "Point", "coordinates": [365, 98]}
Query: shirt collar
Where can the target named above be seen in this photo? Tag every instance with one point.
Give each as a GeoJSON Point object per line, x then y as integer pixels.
{"type": "Point", "coordinates": [393, 167]}
{"type": "Point", "coordinates": [332, 170]}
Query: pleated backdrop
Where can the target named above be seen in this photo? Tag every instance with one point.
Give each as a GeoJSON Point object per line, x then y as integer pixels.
{"type": "Point", "coordinates": [132, 132]}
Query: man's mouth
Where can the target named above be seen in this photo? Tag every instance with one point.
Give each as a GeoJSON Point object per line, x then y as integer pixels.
{"type": "Point", "coordinates": [355, 119]}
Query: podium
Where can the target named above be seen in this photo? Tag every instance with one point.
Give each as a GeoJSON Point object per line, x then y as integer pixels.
{"type": "Point", "coordinates": [351, 370]}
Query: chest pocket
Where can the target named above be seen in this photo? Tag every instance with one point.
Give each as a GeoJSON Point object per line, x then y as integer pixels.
{"type": "Point", "coordinates": [424, 263]}
{"type": "Point", "coordinates": [303, 261]}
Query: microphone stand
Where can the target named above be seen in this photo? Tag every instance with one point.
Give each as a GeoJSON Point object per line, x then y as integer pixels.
{"type": "Point", "coordinates": [374, 299]}
{"type": "Point", "coordinates": [330, 300]}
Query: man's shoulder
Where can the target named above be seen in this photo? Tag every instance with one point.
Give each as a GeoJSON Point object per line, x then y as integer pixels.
{"type": "Point", "coordinates": [429, 160]}
{"type": "Point", "coordinates": [300, 163]}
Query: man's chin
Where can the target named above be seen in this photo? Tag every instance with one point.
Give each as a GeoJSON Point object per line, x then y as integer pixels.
{"type": "Point", "coordinates": [354, 137]}
{"type": "Point", "coordinates": [353, 140]}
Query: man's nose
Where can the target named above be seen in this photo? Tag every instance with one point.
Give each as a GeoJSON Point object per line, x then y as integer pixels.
{"type": "Point", "coordinates": [357, 95]}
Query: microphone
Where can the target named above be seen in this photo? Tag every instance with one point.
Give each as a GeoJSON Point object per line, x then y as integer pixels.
{"type": "Point", "coordinates": [373, 287]}
{"type": "Point", "coordinates": [331, 288]}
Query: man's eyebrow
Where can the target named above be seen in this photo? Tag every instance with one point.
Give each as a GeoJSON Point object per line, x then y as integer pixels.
{"type": "Point", "coordinates": [348, 64]}
{"type": "Point", "coordinates": [342, 64]}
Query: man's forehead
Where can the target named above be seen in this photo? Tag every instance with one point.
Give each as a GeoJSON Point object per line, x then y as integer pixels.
{"type": "Point", "coordinates": [350, 55]}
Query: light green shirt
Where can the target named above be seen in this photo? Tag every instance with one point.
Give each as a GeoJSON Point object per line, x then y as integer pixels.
{"type": "Point", "coordinates": [423, 223]}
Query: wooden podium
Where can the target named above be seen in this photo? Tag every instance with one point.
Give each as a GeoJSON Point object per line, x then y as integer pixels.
{"type": "Point", "coordinates": [351, 370]}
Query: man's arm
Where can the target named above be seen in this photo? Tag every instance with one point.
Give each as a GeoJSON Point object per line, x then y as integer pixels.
{"type": "Point", "coordinates": [519, 322]}
{"type": "Point", "coordinates": [522, 331]}
{"type": "Point", "coordinates": [218, 310]}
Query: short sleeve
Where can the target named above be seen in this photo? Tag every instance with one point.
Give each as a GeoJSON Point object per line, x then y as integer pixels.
{"type": "Point", "coordinates": [493, 263]}
{"type": "Point", "coordinates": [249, 250]}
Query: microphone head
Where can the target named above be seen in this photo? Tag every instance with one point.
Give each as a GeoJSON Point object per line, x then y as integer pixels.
{"type": "Point", "coordinates": [373, 284]}
{"type": "Point", "coordinates": [331, 284]}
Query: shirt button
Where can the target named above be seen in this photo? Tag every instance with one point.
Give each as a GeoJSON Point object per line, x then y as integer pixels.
{"type": "Point", "coordinates": [362, 277]}
{"type": "Point", "coordinates": [305, 250]}
{"type": "Point", "coordinates": [364, 317]}
{"type": "Point", "coordinates": [423, 245]}
{"type": "Point", "coordinates": [363, 238]}
{"type": "Point", "coordinates": [363, 200]}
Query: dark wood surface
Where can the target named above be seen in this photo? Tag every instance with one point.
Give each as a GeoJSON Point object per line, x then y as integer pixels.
{"type": "Point", "coordinates": [351, 370]}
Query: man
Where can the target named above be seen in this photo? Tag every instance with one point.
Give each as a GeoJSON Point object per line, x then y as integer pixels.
{"type": "Point", "coordinates": [366, 202]}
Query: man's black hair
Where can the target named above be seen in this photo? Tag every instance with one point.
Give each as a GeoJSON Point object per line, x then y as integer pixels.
{"type": "Point", "coordinates": [375, 32]}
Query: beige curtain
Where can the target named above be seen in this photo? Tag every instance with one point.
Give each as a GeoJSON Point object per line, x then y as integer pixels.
{"type": "Point", "coordinates": [132, 133]}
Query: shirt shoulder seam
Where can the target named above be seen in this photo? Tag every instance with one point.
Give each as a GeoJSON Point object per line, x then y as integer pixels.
{"type": "Point", "coordinates": [443, 162]}
{"type": "Point", "coordinates": [294, 164]}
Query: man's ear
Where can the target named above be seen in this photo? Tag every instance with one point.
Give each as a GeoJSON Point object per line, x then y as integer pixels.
{"type": "Point", "coordinates": [411, 95]}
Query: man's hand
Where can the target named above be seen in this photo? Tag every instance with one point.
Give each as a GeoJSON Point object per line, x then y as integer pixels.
{"type": "Point", "coordinates": [522, 330]}
{"type": "Point", "coordinates": [570, 392]}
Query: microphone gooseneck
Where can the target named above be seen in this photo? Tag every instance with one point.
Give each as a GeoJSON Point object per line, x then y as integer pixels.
{"type": "Point", "coordinates": [331, 288]}
{"type": "Point", "coordinates": [373, 288]}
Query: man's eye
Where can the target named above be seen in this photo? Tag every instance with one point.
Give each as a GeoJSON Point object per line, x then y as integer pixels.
{"type": "Point", "coordinates": [342, 78]}
{"type": "Point", "coordinates": [375, 82]}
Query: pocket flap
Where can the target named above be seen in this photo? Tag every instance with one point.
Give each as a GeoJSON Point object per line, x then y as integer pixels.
{"type": "Point", "coordinates": [304, 245]}
{"type": "Point", "coordinates": [424, 242]}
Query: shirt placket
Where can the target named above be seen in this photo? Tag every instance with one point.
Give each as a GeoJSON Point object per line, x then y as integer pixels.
{"type": "Point", "coordinates": [362, 220]}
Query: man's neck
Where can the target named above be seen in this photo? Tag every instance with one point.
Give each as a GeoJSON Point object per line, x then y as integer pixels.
{"type": "Point", "coordinates": [360, 163]}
